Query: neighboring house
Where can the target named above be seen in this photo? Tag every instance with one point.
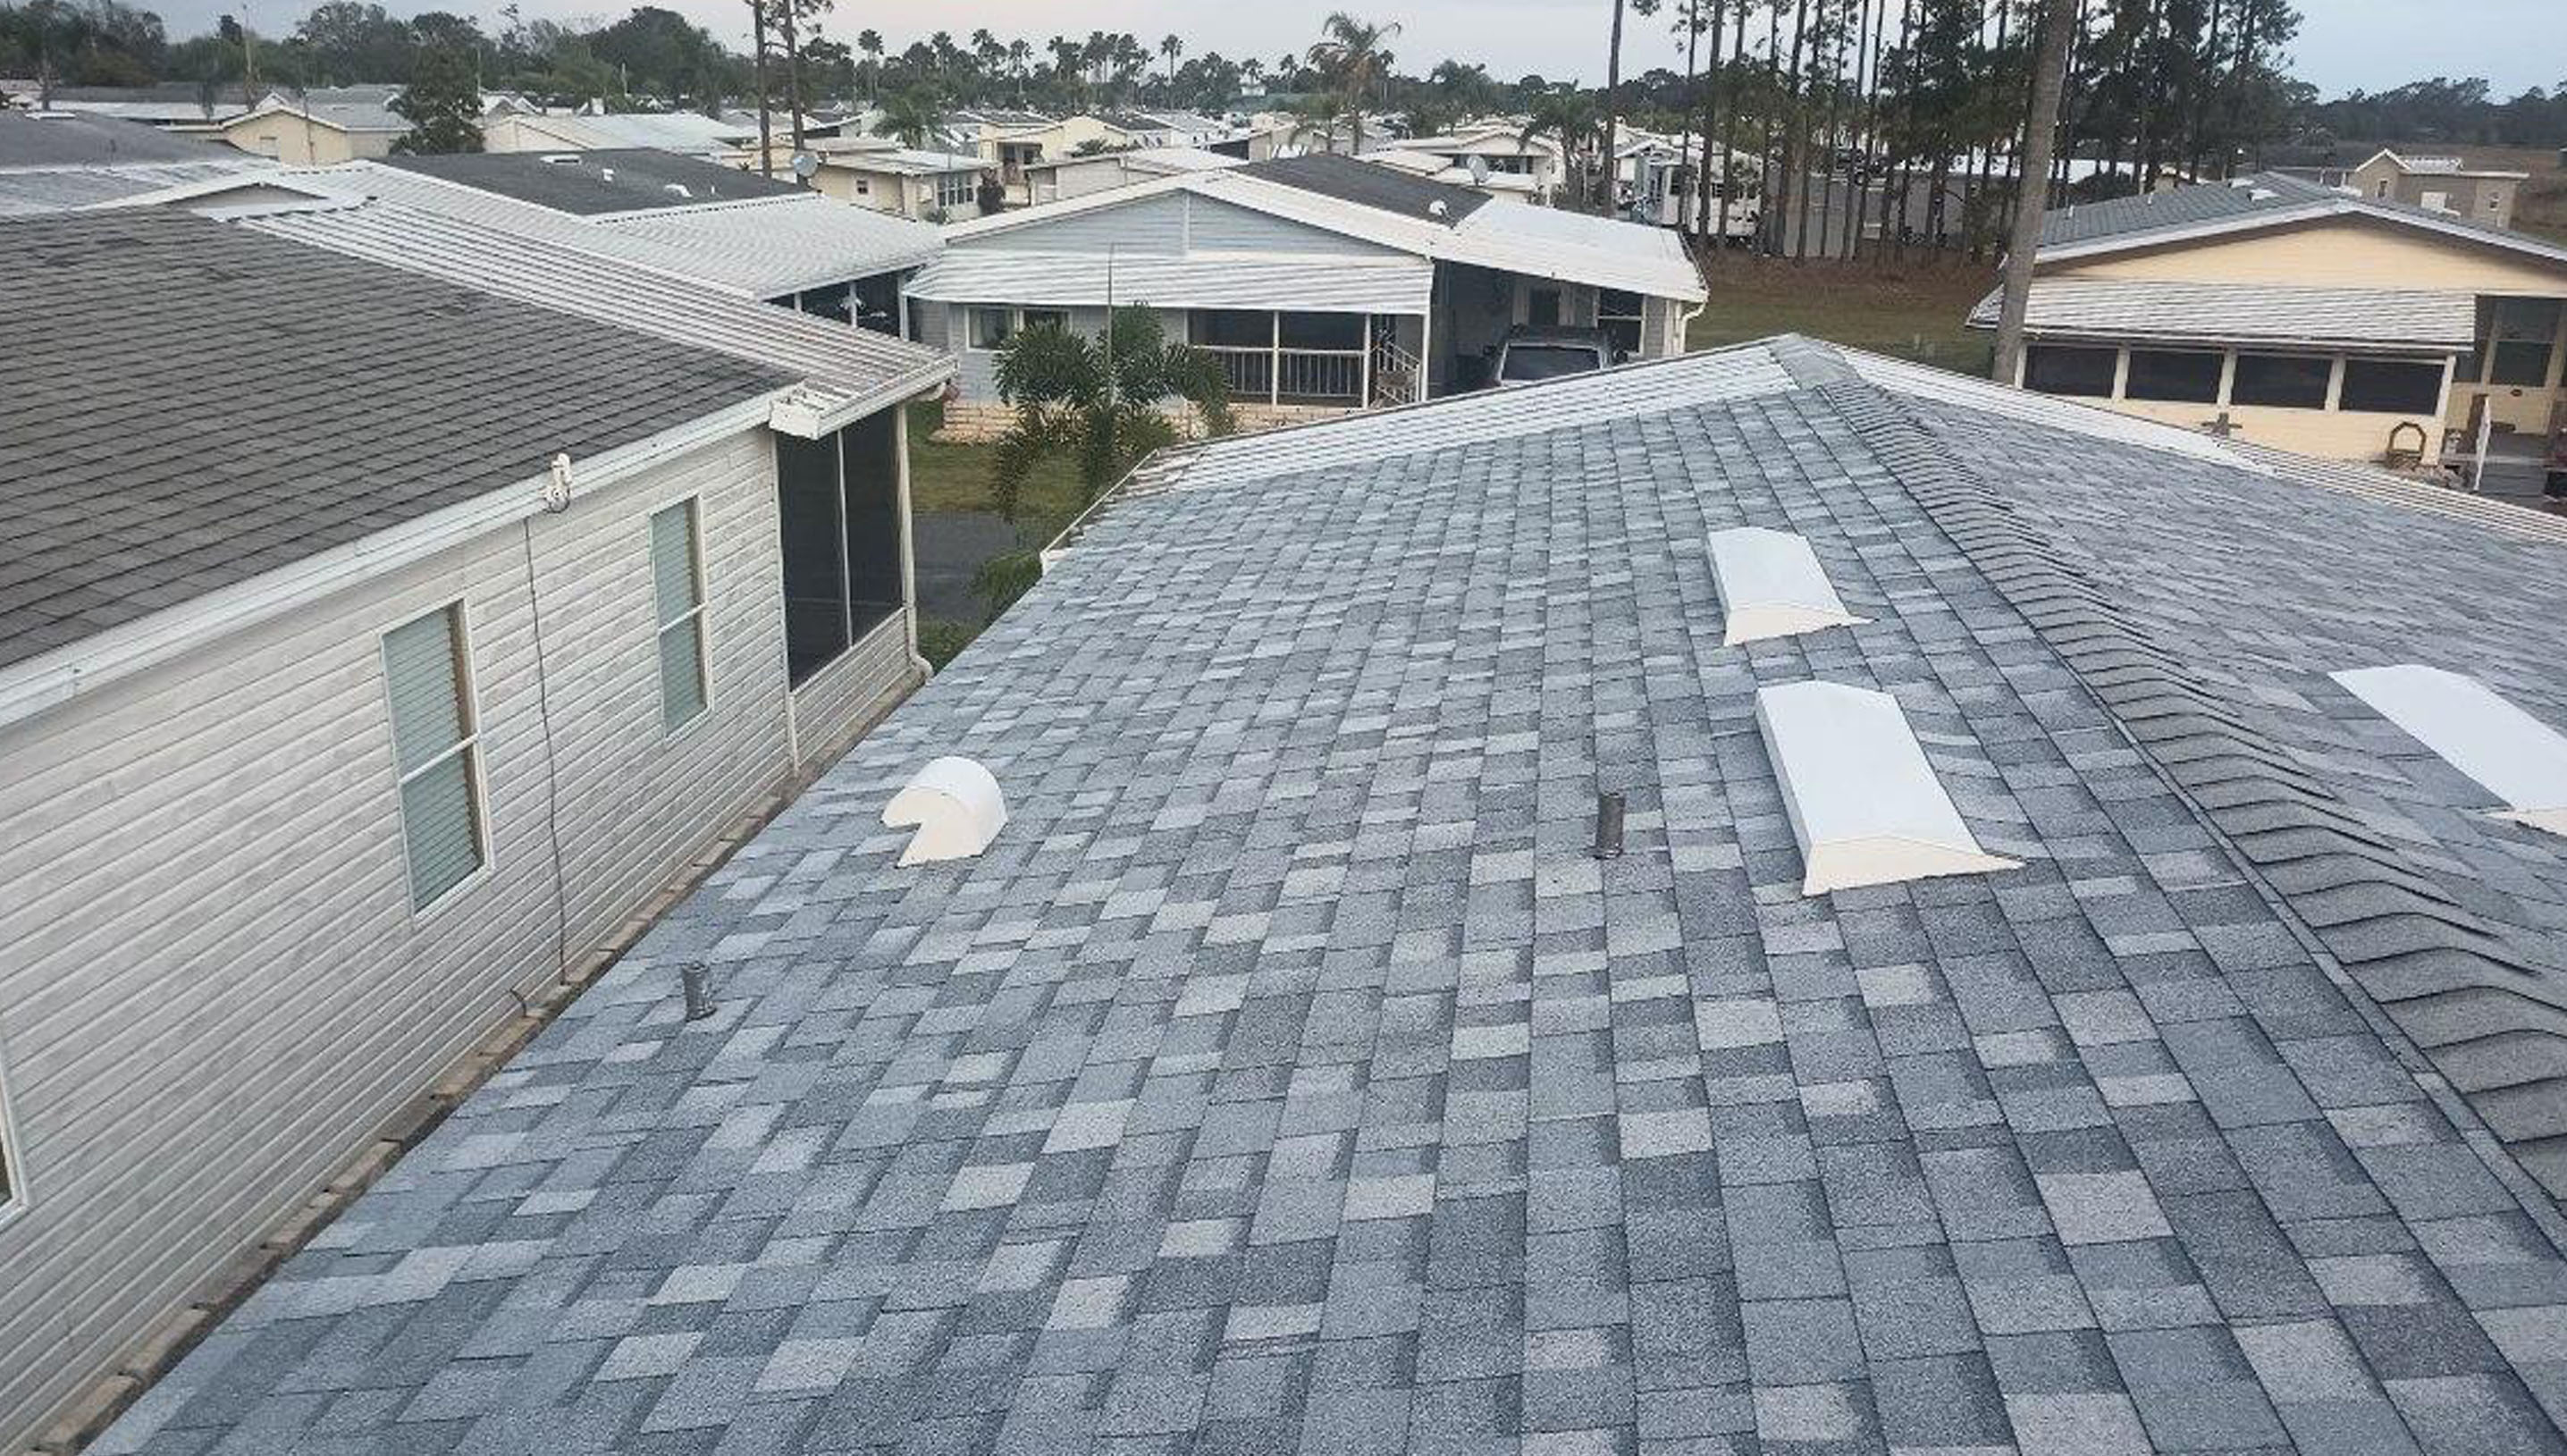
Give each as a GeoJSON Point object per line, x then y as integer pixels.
{"type": "Point", "coordinates": [54, 158]}
{"type": "Point", "coordinates": [931, 186]}
{"type": "Point", "coordinates": [1017, 140]}
{"type": "Point", "coordinates": [1321, 283]}
{"type": "Point", "coordinates": [1076, 177]}
{"type": "Point", "coordinates": [2483, 196]}
{"type": "Point", "coordinates": [182, 105]}
{"type": "Point", "coordinates": [1484, 180]}
{"type": "Point", "coordinates": [1502, 150]}
{"type": "Point", "coordinates": [2304, 318]}
{"type": "Point", "coordinates": [1294, 1072]}
{"type": "Point", "coordinates": [322, 127]}
{"type": "Point", "coordinates": [396, 610]}
{"type": "Point", "coordinates": [731, 137]}
{"type": "Point", "coordinates": [732, 229]}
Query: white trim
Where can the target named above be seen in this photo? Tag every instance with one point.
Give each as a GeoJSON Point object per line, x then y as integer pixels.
{"type": "Point", "coordinates": [53, 678]}
{"type": "Point", "coordinates": [16, 1202]}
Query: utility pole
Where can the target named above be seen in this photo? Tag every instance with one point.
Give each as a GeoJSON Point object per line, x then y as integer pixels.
{"type": "Point", "coordinates": [2058, 19]}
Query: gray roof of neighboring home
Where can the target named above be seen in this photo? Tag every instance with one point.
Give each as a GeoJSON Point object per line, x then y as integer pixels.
{"type": "Point", "coordinates": [190, 404]}
{"type": "Point", "coordinates": [764, 246]}
{"type": "Point", "coordinates": [1068, 280]}
{"type": "Point", "coordinates": [62, 189]}
{"type": "Point", "coordinates": [2265, 198]}
{"type": "Point", "coordinates": [1287, 1075]}
{"type": "Point", "coordinates": [80, 138]}
{"type": "Point", "coordinates": [591, 182]}
{"type": "Point", "coordinates": [2149, 308]}
{"type": "Point", "coordinates": [1350, 179]}
{"type": "Point", "coordinates": [2178, 207]}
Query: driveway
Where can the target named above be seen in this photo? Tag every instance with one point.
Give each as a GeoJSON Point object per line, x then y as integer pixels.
{"type": "Point", "coordinates": [949, 547]}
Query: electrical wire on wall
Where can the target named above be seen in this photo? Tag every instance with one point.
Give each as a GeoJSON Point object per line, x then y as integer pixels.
{"type": "Point", "coordinates": [552, 766]}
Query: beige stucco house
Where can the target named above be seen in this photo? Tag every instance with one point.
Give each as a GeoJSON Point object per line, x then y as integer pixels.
{"type": "Point", "coordinates": [2439, 185]}
{"type": "Point", "coordinates": [2302, 317]}
{"type": "Point", "coordinates": [931, 186]}
{"type": "Point", "coordinates": [318, 128]}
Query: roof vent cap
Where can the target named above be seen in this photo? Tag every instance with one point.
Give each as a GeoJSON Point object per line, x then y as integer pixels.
{"type": "Point", "coordinates": [2473, 728]}
{"type": "Point", "coordinates": [957, 806]}
{"type": "Point", "coordinates": [1771, 585]}
{"type": "Point", "coordinates": [1864, 805]}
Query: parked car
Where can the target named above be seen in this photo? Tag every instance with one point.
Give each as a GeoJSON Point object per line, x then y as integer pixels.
{"type": "Point", "coordinates": [1532, 353]}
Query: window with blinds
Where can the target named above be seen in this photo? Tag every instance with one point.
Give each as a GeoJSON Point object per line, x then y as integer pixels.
{"type": "Point", "coordinates": [436, 746]}
{"type": "Point", "coordinates": [678, 582]}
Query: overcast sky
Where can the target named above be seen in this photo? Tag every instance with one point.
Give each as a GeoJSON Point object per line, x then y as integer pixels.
{"type": "Point", "coordinates": [2342, 44]}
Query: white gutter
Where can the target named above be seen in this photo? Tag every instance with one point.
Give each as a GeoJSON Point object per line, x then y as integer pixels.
{"type": "Point", "coordinates": [51, 679]}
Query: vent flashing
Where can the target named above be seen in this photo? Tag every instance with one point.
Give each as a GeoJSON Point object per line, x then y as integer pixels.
{"type": "Point", "coordinates": [1771, 585]}
{"type": "Point", "coordinates": [2470, 727]}
{"type": "Point", "coordinates": [1864, 805]}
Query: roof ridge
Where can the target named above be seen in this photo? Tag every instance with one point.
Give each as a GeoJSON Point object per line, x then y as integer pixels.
{"type": "Point", "coordinates": [2407, 941]}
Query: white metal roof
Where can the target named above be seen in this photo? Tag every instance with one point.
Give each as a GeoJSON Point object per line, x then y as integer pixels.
{"type": "Point", "coordinates": [1160, 159]}
{"type": "Point", "coordinates": [766, 248]}
{"type": "Point", "coordinates": [1202, 280]}
{"type": "Point", "coordinates": [2148, 308]}
{"type": "Point", "coordinates": [861, 370]}
{"type": "Point", "coordinates": [904, 160]}
{"type": "Point", "coordinates": [1514, 237]}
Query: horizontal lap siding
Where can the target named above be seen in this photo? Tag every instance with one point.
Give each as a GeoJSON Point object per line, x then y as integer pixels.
{"type": "Point", "coordinates": [216, 988]}
{"type": "Point", "coordinates": [832, 703]}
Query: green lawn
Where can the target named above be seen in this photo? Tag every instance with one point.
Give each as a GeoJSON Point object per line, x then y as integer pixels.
{"type": "Point", "coordinates": [1910, 311]}
{"type": "Point", "coordinates": [943, 476]}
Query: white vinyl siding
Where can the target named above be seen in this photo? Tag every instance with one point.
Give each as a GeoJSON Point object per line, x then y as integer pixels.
{"type": "Point", "coordinates": [429, 685]}
{"type": "Point", "coordinates": [217, 986]}
{"type": "Point", "coordinates": [676, 584]}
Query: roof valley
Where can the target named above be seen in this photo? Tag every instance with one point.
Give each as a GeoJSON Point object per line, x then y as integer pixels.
{"type": "Point", "coordinates": [2395, 941]}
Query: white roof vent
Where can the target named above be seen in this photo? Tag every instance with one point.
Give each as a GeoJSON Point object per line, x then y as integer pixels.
{"type": "Point", "coordinates": [1771, 585]}
{"type": "Point", "coordinates": [2516, 756]}
{"type": "Point", "coordinates": [1864, 805]}
{"type": "Point", "coordinates": [957, 806]}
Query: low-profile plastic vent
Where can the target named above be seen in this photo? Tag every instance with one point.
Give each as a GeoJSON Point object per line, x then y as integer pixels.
{"type": "Point", "coordinates": [1771, 585]}
{"type": "Point", "coordinates": [2516, 756]}
{"type": "Point", "coordinates": [957, 806]}
{"type": "Point", "coordinates": [1864, 805]}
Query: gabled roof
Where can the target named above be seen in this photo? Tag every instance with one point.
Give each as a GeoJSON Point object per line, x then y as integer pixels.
{"type": "Point", "coordinates": [766, 247]}
{"type": "Point", "coordinates": [1159, 160]}
{"type": "Point", "coordinates": [1499, 233]}
{"type": "Point", "coordinates": [366, 111]}
{"type": "Point", "coordinates": [65, 188]}
{"type": "Point", "coordinates": [192, 404]}
{"type": "Point", "coordinates": [689, 133]}
{"type": "Point", "coordinates": [2249, 205]}
{"type": "Point", "coordinates": [901, 160]}
{"type": "Point", "coordinates": [1232, 280]}
{"type": "Point", "coordinates": [621, 180]}
{"type": "Point", "coordinates": [2449, 167]}
{"type": "Point", "coordinates": [1368, 185]}
{"type": "Point", "coordinates": [2169, 310]}
{"type": "Point", "coordinates": [82, 138]}
{"type": "Point", "coordinates": [1290, 1075]}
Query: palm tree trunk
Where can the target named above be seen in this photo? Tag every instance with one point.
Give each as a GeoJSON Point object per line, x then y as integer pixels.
{"type": "Point", "coordinates": [2049, 78]}
{"type": "Point", "coordinates": [1796, 147]}
{"type": "Point", "coordinates": [1722, 119]}
{"type": "Point", "coordinates": [1768, 177]}
{"type": "Point", "coordinates": [1612, 94]}
{"type": "Point", "coordinates": [1868, 108]}
{"type": "Point", "coordinates": [766, 127]}
{"type": "Point", "coordinates": [1994, 138]}
{"type": "Point", "coordinates": [793, 72]}
{"type": "Point", "coordinates": [1686, 149]}
{"type": "Point", "coordinates": [1835, 112]}
{"type": "Point", "coordinates": [1894, 190]}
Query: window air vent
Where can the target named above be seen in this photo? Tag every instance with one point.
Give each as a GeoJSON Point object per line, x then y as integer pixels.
{"type": "Point", "coordinates": [2515, 757]}
{"type": "Point", "coordinates": [1771, 585]}
{"type": "Point", "coordinates": [1864, 805]}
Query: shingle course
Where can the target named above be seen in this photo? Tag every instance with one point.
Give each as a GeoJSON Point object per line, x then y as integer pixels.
{"type": "Point", "coordinates": [1485, 1144]}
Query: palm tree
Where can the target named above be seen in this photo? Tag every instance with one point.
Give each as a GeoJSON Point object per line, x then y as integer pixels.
{"type": "Point", "coordinates": [1018, 54]}
{"type": "Point", "coordinates": [1172, 47]}
{"type": "Point", "coordinates": [1612, 94]}
{"type": "Point", "coordinates": [1323, 114]}
{"type": "Point", "coordinates": [1349, 54]}
{"type": "Point", "coordinates": [871, 43]}
{"type": "Point", "coordinates": [1570, 117]}
{"type": "Point", "coordinates": [1098, 400]}
{"type": "Point", "coordinates": [1253, 72]}
{"type": "Point", "coordinates": [911, 117]}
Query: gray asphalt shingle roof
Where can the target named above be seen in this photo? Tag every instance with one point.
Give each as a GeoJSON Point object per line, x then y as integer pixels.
{"type": "Point", "coordinates": [191, 404]}
{"type": "Point", "coordinates": [1289, 1077]}
{"type": "Point", "coordinates": [75, 138]}
{"type": "Point", "coordinates": [1369, 185]}
{"type": "Point", "coordinates": [592, 183]}
{"type": "Point", "coordinates": [2178, 207]}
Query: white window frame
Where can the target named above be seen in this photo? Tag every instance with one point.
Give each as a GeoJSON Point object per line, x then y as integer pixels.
{"type": "Point", "coordinates": [971, 326]}
{"type": "Point", "coordinates": [14, 1200]}
{"type": "Point", "coordinates": [947, 184]}
{"type": "Point", "coordinates": [694, 617]}
{"type": "Point", "coordinates": [467, 697]}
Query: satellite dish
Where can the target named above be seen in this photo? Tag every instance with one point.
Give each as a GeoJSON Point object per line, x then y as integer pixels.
{"type": "Point", "coordinates": [805, 164]}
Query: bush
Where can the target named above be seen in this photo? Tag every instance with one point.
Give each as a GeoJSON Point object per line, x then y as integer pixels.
{"type": "Point", "coordinates": [941, 639]}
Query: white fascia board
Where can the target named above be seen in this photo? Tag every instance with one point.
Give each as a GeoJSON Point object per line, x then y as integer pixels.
{"type": "Point", "coordinates": [2473, 728]}
{"type": "Point", "coordinates": [1772, 585]}
{"type": "Point", "coordinates": [1864, 805]}
{"type": "Point", "coordinates": [51, 679]}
